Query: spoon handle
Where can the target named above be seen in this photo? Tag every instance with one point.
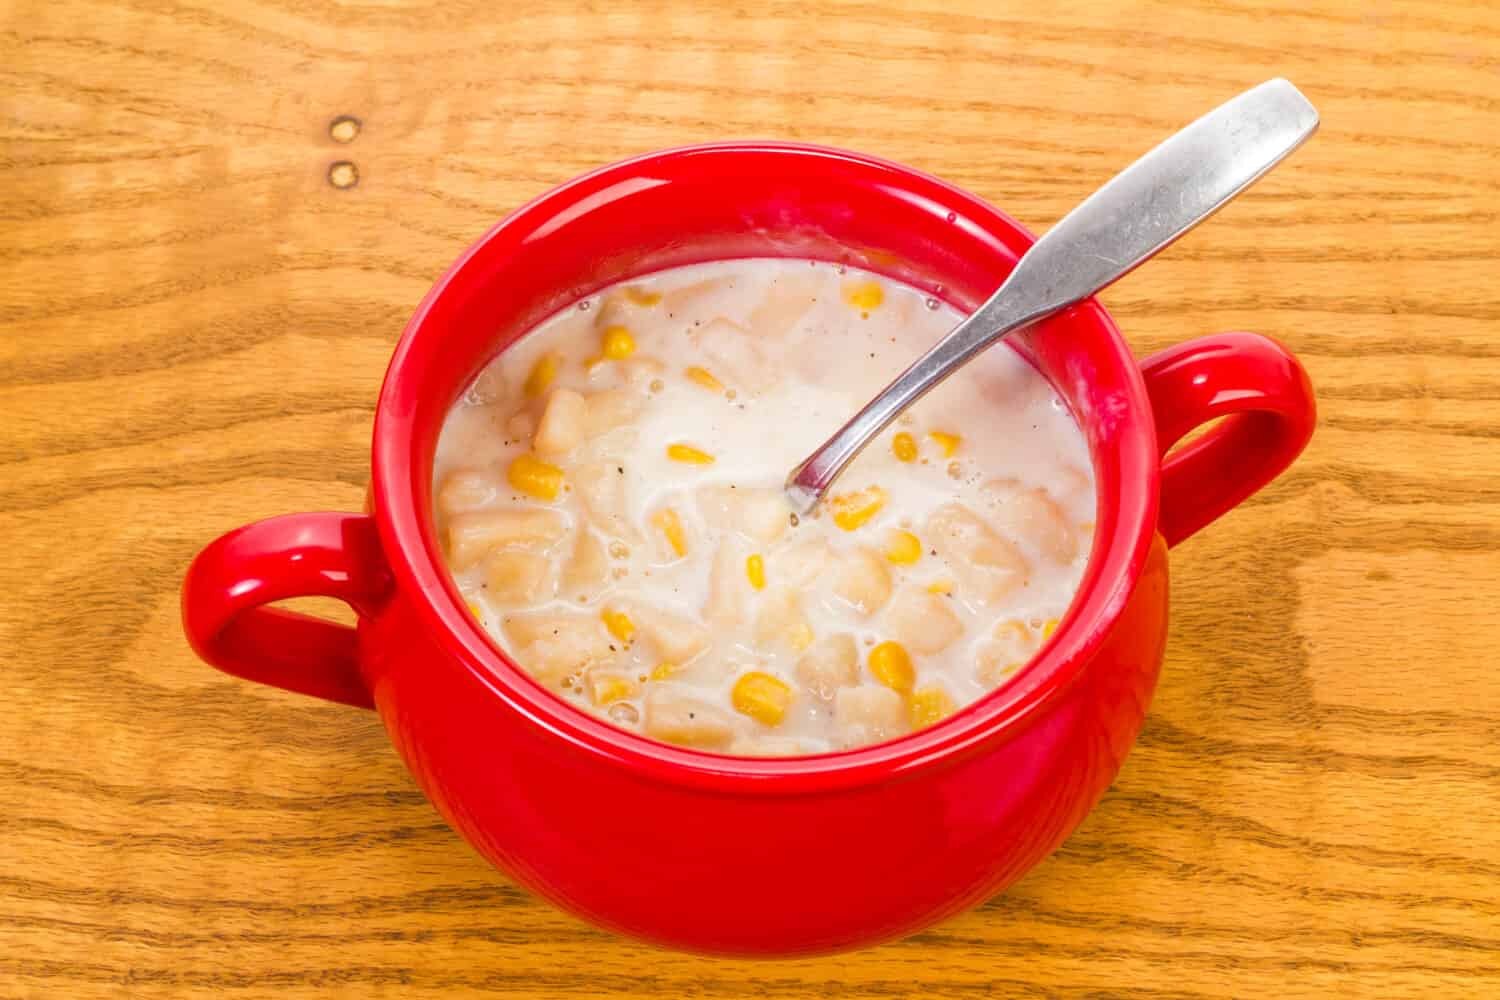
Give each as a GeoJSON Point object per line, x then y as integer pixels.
{"type": "Point", "coordinates": [1126, 222]}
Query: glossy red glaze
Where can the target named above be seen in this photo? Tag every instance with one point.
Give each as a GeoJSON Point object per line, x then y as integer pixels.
{"type": "Point", "coordinates": [720, 854]}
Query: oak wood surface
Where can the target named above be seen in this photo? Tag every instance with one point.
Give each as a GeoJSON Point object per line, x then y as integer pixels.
{"type": "Point", "coordinates": [194, 321]}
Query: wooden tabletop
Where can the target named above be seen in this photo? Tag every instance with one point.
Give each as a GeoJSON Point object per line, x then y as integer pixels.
{"type": "Point", "coordinates": [200, 287]}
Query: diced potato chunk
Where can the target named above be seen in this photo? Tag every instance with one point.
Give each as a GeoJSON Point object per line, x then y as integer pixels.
{"type": "Point", "coordinates": [787, 300]}
{"type": "Point", "coordinates": [761, 696]}
{"type": "Point", "coordinates": [734, 354]}
{"type": "Point", "coordinates": [602, 488]}
{"type": "Point", "coordinates": [674, 716]}
{"type": "Point", "coordinates": [1031, 514]}
{"type": "Point", "coordinates": [862, 580]}
{"type": "Point", "coordinates": [610, 409]}
{"type": "Point", "coordinates": [464, 490]}
{"type": "Point", "coordinates": [782, 622]}
{"type": "Point", "coordinates": [676, 638]}
{"type": "Point", "coordinates": [761, 746]}
{"type": "Point", "coordinates": [725, 606]}
{"type": "Point", "coordinates": [922, 621]}
{"type": "Point", "coordinates": [868, 713]}
{"type": "Point", "coordinates": [760, 514]}
{"type": "Point", "coordinates": [1002, 656]}
{"type": "Point", "coordinates": [830, 664]}
{"type": "Point", "coordinates": [473, 535]}
{"type": "Point", "coordinates": [800, 565]}
{"type": "Point", "coordinates": [587, 567]}
{"type": "Point", "coordinates": [516, 575]}
{"type": "Point", "coordinates": [562, 425]}
{"type": "Point", "coordinates": [553, 646]}
{"type": "Point", "coordinates": [989, 568]}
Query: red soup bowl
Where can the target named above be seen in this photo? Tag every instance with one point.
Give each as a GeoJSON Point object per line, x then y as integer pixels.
{"type": "Point", "coordinates": [723, 854]}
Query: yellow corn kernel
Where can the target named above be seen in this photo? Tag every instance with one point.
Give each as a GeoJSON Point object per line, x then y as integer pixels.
{"type": "Point", "coordinates": [864, 295]}
{"type": "Point", "coordinates": [902, 547]}
{"type": "Point", "coordinates": [762, 697]}
{"type": "Point", "coordinates": [930, 705]}
{"type": "Point", "coordinates": [1013, 630]}
{"type": "Point", "coordinates": [705, 378]}
{"type": "Point", "coordinates": [669, 524]}
{"type": "Point", "coordinates": [474, 609]}
{"type": "Point", "coordinates": [755, 570]}
{"type": "Point", "coordinates": [535, 478]}
{"type": "Point", "coordinates": [641, 297]}
{"type": "Point", "coordinates": [663, 670]}
{"type": "Point", "coordinates": [687, 453]}
{"type": "Point", "coordinates": [801, 636]}
{"type": "Point", "coordinates": [850, 510]}
{"type": "Point", "coordinates": [1048, 627]}
{"type": "Point", "coordinates": [543, 372]}
{"type": "Point", "coordinates": [948, 442]}
{"type": "Point", "coordinates": [608, 688]}
{"type": "Point", "coordinates": [940, 587]}
{"type": "Point", "coordinates": [890, 664]}
{"type": "Point", "coordinates": [904, 447]}
{"type": "Point", "coordinates": [619, 624]}
{"type": "Point", "coordinates": [618, 344]}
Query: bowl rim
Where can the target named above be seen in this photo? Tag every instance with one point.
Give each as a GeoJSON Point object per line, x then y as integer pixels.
{"type": "Point", "coordinates": [1114, 566]}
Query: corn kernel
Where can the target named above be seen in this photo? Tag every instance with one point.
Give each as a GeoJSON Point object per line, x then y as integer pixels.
{"type": "Point", "coordinates": [940, 587]}
{"type": "Point", "coordinates": [801, 636]}
{"type": "Point", "coordinates": [890, 664]}
{"type": "Point", "coordinates": [474, 609]}
{"type": "Point", "coordinates": [670, 525]}
{"type": "Point", "coordinates": [762, 697]}
{"type": "Point", "coordinates": [850, 510]}
{"type": "Point", "coordinates": [663, 670]}
{"type": "Point", "coordinates": [1013, 630]}
{"type": "Point", "coordinates": [930, 705]}
{"type": "Point", "coordinates": [902, 547]}
{"type": "Point", "coordinates": [618, 344]}
{"type": "Point", "coordinates": [619, 624]}
{"type": "Point", "coordinates": [535, 477]}
{"type": "Point", "coordinates": [755, 570]}
{"type": "Point", "coordinates": [1048, 628]}
{"type": "Point", "coordinates": [543, 372]}
{"type": "Point", "coordinates": [607, 688]}
{"type": "Point", "coordinates": [864, 295]}
{"type": "Point", "coordinates": [904, 447]}
{"type": "Point", "coordinates": [705, 378]}
{"type": "Point", "coordinates": [641, 297]}
{"type": "Point", "coordinates": [688, 454]}
{"type": "Point", "coordinates": [948, 442]}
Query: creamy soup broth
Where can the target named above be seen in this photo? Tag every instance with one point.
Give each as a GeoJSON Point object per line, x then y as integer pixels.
{"type": "Point", "coordinates": [608, 493]}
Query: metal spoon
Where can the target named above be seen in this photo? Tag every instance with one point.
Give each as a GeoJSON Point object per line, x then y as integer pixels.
{"type": "Point", "coordinates": [1121, 226]}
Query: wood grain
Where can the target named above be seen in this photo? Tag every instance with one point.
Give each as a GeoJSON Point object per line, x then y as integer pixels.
{"type": "Point", "coordinates": [193, 326]}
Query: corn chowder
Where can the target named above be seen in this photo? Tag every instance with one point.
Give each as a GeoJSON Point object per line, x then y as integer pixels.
{"type": "Point", "coordinates": [608, 492]}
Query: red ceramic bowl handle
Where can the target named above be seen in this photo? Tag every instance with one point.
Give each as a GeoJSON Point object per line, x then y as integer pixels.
{"type": "Point", "coordinates": [298, 555]}
{"type": "Point", "coordinates": [1264, 392]}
